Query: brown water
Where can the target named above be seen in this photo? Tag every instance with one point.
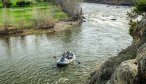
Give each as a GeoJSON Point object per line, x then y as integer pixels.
{"type": "Point", "coordinates": [30, 59]}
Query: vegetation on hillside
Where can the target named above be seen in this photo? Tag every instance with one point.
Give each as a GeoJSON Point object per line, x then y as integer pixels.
{"type": "Point", "coordinates": [136, 15]}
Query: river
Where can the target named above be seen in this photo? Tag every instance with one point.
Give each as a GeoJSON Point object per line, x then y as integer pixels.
{"type": "Point", "coordinates": [30, 59]}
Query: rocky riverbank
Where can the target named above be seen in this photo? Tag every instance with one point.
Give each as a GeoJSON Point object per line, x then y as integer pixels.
{"type": "Point", "coordinates": [129, 67]}
{"type": "Point", "coordinates": [113, 2]}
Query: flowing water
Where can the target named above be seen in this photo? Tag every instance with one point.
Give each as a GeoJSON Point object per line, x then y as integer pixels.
{"type": "Point", "coordinates": [31, 59]}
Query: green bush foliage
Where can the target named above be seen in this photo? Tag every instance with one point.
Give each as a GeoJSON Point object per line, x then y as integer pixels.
{"type": "Point", "coordinates": [23, 3]}
{"type": "Point", "coordinates": [133, 26]}
{"type": "Point", "coordinates": [140, 6]}
{"type": "Point", "coordinates": [138, 10]}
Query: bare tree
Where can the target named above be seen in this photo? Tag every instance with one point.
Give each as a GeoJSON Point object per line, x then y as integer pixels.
{"type": "Point", "coordinates": [42, 19]}
{"type": "Point", "coordinates": [71, 7]}
{"type": "Point", "coordinates": [5, 18]}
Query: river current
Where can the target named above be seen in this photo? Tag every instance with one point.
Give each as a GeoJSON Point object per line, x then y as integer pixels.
{"type": "Point", "coordinates": [31, 59]}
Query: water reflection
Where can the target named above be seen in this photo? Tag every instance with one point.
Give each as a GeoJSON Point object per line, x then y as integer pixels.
{"type": "Point", "coordinates": [67, 38]}
{"type": "Point", "coordinates": [7, 44]}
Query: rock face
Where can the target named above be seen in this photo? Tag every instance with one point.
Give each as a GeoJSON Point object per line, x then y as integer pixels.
{"type": "Point", "coordinates": [129, 67]}
{"type": "Point", "coordinates": [104, 73]}
{"type": "Point", "coordinates": [113, 2]}
{"type": "Point", "coordinates": [125, 73]}
{"type": "Point", "coordinates": [141, 59]}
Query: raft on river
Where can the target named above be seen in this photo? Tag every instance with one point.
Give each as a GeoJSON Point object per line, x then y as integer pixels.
{"type": "Point", "coordinates": [66, 58]}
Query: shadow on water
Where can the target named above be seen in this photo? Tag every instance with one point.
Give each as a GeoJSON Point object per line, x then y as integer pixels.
{"type": "Point", "coordinates": [67, 37]}
{"type": "Point", "coordinates": [23, 41]}
{"type": "Point", "coordinates": [61, 66]}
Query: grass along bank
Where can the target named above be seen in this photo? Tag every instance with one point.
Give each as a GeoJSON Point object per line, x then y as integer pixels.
{"type": "Point", "coordinates": [42, 16]}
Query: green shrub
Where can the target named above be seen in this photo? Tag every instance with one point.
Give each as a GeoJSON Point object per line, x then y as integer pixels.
{"type": "Point", "coordinates": [60, 15]}
{"type": "Point", "coordinates": [7, 4]}
{"type": "Point", "coordinates": [139, 10]}
{"type": "Point", "coordinates": [23, 3]}
{"type": "Point", "coordinates": [1, 4]}
{"type": "Point", "coordinates": [140, 6]}
{"type": "Point", "coordinates": [133, 26]}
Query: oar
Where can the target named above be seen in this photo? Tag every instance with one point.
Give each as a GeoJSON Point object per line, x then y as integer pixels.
{"type": "Point", "coordinates": [54, 57]}
{"type": "Point", "coordinates": [78, 62]}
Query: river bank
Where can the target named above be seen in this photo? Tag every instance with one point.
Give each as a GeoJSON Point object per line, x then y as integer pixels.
{"type": "Point", "coordinates": [36, 19]}
{"type": "Point", "coordinates": [113, 2]}
{"type": "Point", "coordinates": [57, 27]}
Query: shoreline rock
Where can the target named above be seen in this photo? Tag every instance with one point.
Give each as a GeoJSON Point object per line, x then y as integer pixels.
{"type": "Point", "coordinates": [125, 73]}
{"type": "Point", "coordinates": [104, 73]}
